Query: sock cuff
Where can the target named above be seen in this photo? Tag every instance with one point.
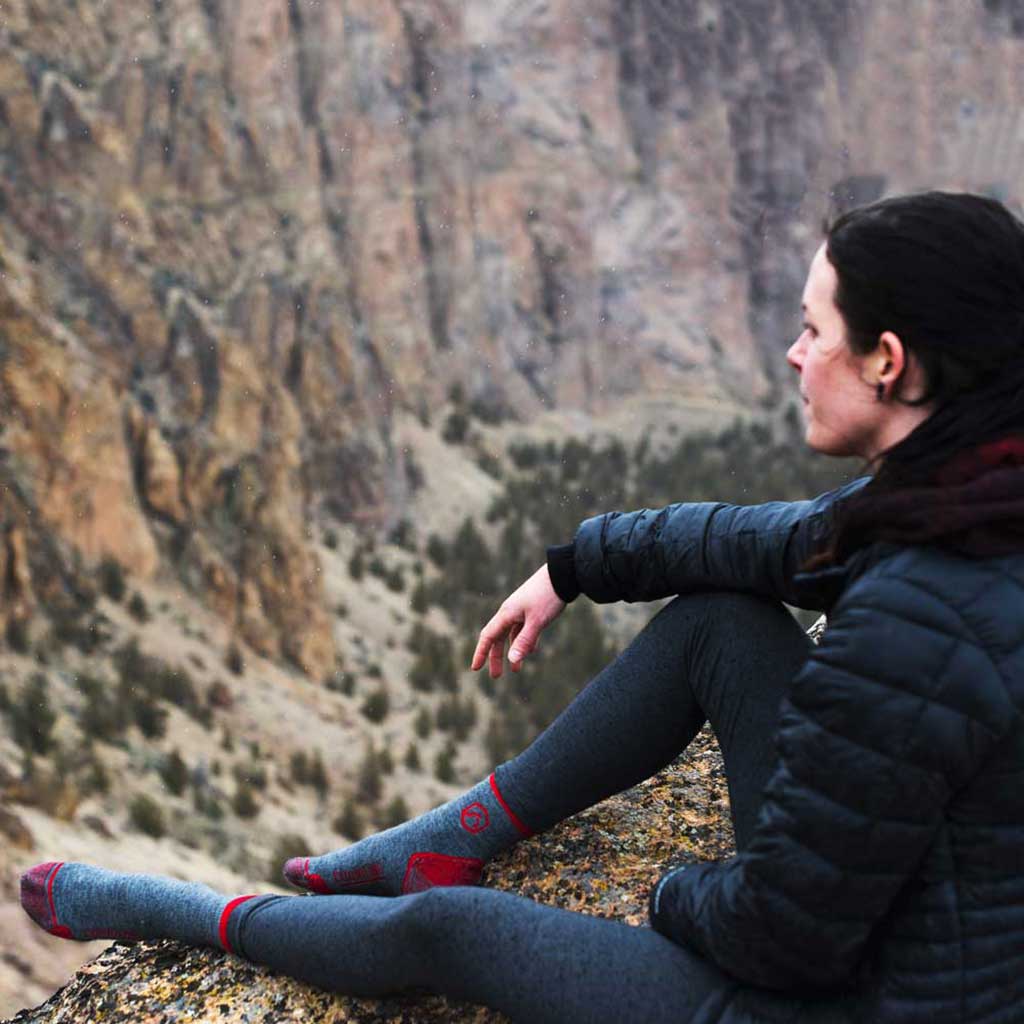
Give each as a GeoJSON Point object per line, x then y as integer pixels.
{"type": "Point", "coordinates": [522, 829]}
{"type": "Point", "coordinates": [225, 917]}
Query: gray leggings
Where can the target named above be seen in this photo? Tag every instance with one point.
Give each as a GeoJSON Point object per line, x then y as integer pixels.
{"type": "Point", "coordinates": [722, 657]}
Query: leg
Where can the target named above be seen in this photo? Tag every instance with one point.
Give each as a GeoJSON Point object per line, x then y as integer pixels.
{"type": "Point", "coordinates": [721, 656]}
{"type": "Point", "coordinates": [532, 962]}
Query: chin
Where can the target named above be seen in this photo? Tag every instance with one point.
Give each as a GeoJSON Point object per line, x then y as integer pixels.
{"type": "Point", "coordinates": [837, 447]}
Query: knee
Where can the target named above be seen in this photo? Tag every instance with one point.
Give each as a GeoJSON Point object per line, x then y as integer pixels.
{"type": "Point", "coordinates": [728, 609]}
{"type": "Point", "coordinates": [448, 917]}
{"type": "Point", "coordinates": [425, 919]}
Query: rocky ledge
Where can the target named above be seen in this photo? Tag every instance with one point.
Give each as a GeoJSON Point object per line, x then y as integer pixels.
{"type": "Point", "coordinates": [603, 861]}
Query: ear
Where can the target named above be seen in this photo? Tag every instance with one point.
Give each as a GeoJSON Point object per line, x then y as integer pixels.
{"type": "Point", "coordinates": [887, 363]}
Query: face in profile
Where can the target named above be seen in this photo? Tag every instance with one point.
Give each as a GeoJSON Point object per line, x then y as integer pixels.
{"type": "Point", "coordinates": [841, 412]}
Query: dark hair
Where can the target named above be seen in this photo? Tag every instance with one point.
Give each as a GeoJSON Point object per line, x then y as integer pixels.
{"type": "Point", "coordinates": [945, 273]}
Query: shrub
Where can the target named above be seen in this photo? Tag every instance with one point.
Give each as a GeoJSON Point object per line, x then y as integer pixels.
{"type": "Point", "coordinates": [420, 599]}
{"type": "Point", "coordinates": [385, 761]}
{"type": "Point", "coordinates": [342, 682]}
{"type": "Point", "coordinates": [299, 766]}
{"type": "Point", "coordinates": [437, 550]}
{"type": "Point", "coordinates": [251, 774]}
{"type": "Point", "coordinates": [219, 696]}
{"type": "Point", "coordinates": [227, 741]}
{"type": "Point", "coordinates": [331, 539]}
{"type": "Point", "coordinates": [402, 535]}
{"type": "Point", "coordinates": [32, 718]}
{"type": "Point", "coordinates": [137, 608]}
{"type": "Point", "coordinates": [234, 660]}
{"type": "Point", "coordinates": [435, 660]}
{"type": "Point", "coordinates": [423, 723]}
{"type": "Point", "coordinates": [97, 778]}
{"type": "Point", "coordinates": [145, 679]}
{"type": "Point", "coordinates": [5, 697]}
{"type": "Point", "coordinates": [174, 773]}
{"type": "Point", "coordinates": [455, 428]}
{"type": "Point", "coordinates": [356, 566]}
{"type": "Point", "coordinates": [369, 784]}
{"type": "Point", "coordinates": [147, 816]}
{"type": "Point", "coordinates": [75, 624]}
{"type": "Point", "coordinates": [150, 718]}
{"type": "Point", "coordinates": [348, 822]}
{"type": "Point", "coordinates": [318, 776]}
{"type": "Point", "coordinates": [286, 847]}
{"type": "Point", "coordinates": [490, 465]}
{"type": "Point", "coordinates": [412, 758]}
{"type": "Point", "coordinates": [18, 637]}
{"type": "Point", "coordinates": [207, 804]}
{"type": "Point", "coordinates": [444, 763]}
{"type": "Point", "coordinates": [244, 802]}
{"type": "Point", "coordinates": [377, 705]}
{"type": "Point", "coordinates": [456, 716]}
{"type": "Point", "coordinates": [111, 579]}
{"type": "Point", "coordinates": [395, 813]}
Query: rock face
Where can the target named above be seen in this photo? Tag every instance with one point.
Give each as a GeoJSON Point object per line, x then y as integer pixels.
{"type": "Point", "coordinates": [602, 861]}
{"type": "Point", "coordinates": [237, 235]}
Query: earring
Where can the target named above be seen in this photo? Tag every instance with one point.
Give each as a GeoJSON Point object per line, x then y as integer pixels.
{"type": "Point", "coordinates": [880, 391]}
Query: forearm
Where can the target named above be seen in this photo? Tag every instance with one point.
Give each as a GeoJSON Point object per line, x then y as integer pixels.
{"type": "Point", "coordinates": [654, 553]}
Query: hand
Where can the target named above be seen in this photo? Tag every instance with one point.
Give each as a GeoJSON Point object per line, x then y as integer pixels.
{"type": "Point", "coordinates": [520, 618]}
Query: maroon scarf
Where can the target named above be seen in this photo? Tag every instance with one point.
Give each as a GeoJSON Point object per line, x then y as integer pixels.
{"type": "Point", "coordinates": [975, 507]}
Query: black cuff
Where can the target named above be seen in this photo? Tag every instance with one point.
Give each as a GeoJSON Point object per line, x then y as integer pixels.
{"type": "Point", "coordinates": [562, 570]}
{"type": "Point", "coordinates": [656, 910]}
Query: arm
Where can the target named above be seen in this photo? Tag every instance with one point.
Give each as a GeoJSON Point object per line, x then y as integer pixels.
{"type": "Point", "coordinates": [649, 554]}
{"type": "Point", "coordinates": [890, 716]}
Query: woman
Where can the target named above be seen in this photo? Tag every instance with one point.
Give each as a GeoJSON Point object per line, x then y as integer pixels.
{"type": "Point", "coordinates": [875, 780]}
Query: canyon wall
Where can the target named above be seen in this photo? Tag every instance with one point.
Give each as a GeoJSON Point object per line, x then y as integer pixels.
{"type": "Point", "coordinates": [237, 236]}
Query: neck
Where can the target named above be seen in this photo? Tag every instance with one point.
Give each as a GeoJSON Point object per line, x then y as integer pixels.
{"type": "Point", "coordinates": [903, 421]}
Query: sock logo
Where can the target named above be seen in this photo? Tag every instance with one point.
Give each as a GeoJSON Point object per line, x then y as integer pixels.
{"type": "Point", "coordinates": [474, 817]}
{"type": "Point", "coordinates": [361, 875]}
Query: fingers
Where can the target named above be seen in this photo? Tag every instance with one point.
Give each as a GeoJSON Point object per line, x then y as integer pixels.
{"type": "Point", "coordinates": [489, 635]}
{"type": "Point", "coordinates": [523, 645]}
{"type": "Point", "coordinates": [491, 646]}
{"type": "Point", "coordinates": [497, 655]}
{"type": "Point", "coordinates": [514, 665]}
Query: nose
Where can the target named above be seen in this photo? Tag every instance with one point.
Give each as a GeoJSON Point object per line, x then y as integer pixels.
{"type": "Point", "coordinates": [795, 354]}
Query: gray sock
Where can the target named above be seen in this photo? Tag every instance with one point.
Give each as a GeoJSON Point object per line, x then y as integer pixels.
{"type": "Point", "coordinates": [78, 901]}
{"type": "Point", "coordinates": [446, 846]}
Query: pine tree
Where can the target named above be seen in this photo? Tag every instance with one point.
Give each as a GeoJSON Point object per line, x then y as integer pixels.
{"type": "Point", "coordinates": [348, 823]}
{"type": "Point", "coordinates": [370, 785]}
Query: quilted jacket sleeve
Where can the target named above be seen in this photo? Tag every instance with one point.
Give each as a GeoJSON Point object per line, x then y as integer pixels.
{"type": "Point", "coordinates": [889, 717]}
{"type": "Point", "coordinates": [654, 553]}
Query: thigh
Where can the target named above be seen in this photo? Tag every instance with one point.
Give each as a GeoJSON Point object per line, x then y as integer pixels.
{"type": "Point", "coordinates": [538, 963]}
{"type": "Point", "coordinates": [742, 653]}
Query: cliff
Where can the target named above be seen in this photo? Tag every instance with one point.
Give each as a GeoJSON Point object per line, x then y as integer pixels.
{"type": "Point", "coordinates": [602, 861]}
{"type": "Point", "coordinates": [238, 237]}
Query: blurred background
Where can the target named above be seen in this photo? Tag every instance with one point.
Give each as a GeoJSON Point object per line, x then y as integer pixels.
{"type": "Point", "coordinates": [320, 319]}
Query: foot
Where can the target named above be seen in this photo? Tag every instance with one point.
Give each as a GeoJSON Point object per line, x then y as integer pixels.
{"type": "Point", "coordinates": [38, 902]}
{"type": "Point", "coordinates": [446, 846]}
{"type": "Point", "coordinates": [81, 902]}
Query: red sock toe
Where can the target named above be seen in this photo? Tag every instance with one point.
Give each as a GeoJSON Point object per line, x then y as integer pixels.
{"type": "Point", "coordinates": [37, 897]}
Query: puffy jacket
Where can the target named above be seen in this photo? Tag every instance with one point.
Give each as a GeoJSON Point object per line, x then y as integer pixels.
{"type": "Point", "coordinates": [886, 871]}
